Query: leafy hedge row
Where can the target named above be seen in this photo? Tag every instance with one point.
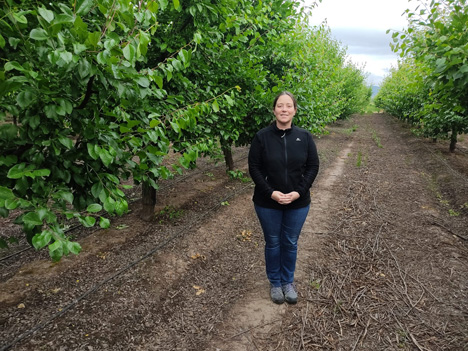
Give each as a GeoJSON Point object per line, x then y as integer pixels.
{"type": "Point", "coordinates": [94, 92]}
{"type": "Point", "coordinates": [430, 85]}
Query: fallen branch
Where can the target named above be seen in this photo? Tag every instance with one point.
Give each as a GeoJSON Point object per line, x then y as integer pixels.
{"type": "Point", "coordinates": [361, 336]}
{"type": "Point", "coordinates": [450, 231]}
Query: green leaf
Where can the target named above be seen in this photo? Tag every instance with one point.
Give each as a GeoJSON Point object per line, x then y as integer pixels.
{"type": "Point", "coordinates": [144, 41]}
{"type": "Point", "coordinates": [121, 207]}
{"type": "Point", "coordinates": [42, 240]}
{"type": "Point", "coordinates": [185, 163]}
{"type": "Point", "coordinates": [64, 18]}
{"type": "Point", "coordinates": [42, 212]}
{"type": "Point", "coordinates": [197, 37]}
{"type": "Point", "coordinates": [11, 65]}
{"type": "Point", "coordinates": [46, 14]}
{"type": "Point", "coordinates": [2, 41]}
{"type": "Point", "coordinates": [66, 105]}
{"type": "Point", "coordinates": [105, 157]}
{"type": "Point", "coordinates": [104, 222]}
{"type": "Point", "coordinates": [66, 56]}
{"type": "Point", "coordinates": [441, 65]}
{"type": "Point", "coordinates": [154, 123]}
{"type": "Point", "coordinates": [177, 65]}
{"type": "Point", "coordinates": [56, 246]}
{"type": "Point", "coordinates": [34, 121]}
{"type": "Point", "coordinates": [67, 142]}
{"type": "Point", "coordinates": [32, 218]}
{"type": "Point", "coordinates": [83, 7]}
{"type": "Point", "coordinates": [215, 106]}
{"type": "Point", "coordinates": [229, 100]}
{"type": "Point", "coordinates": [56, 254]}
{"type": "Point", "coordinates": [22, 185]}
{"type": "Point", "coordinates": [65, 195]}
{"type": "Point", "coordinates": [17, 171]}
{"type": "Point", "coordinates": [40, 173]}
{"type": "Point", "coordinates": [123, 129]}
{"type": "Point", "coordinates": [20, 18]}
{"type": "Point", "coordinates": [74, 247]}
{"type": "Point", "coordinates": [11, 204]}
{"type": "Point", "coordinates": [79, 48]}
{"type": "Point", "coordinates": [24, 98]}
{"type": "Point", "coordinates": [50, 112]}
{"type": "Point", "coordinates": [93, 208]}
{"type": "Point", "coordinates": [88, 221]}
{"type": "Point", "coordinates": [176, 4]}
{"type": "Point", "coordinates": [93, 38]}
{"type": "Point", "coordinates": [165, 173]}
{"type": "Point", "coordinates": [109, 204]}
{"type": "Point", "coordinates": [92, 151]}
{"type": "Point", "coordinates": [175, 126]}
{"type": "Point", "coordinates": [4, 212]}
{"type": "Point", "coordinates": [84, 68]}
{"type": "Point", "coordinates": [38, 34]}
{"type": "Point", "coordinates": [96, 189]}
{"type": "Point", "coordinates": [159, 81]}
{"type": "Point", "coordinates": [143, 81]}
{"type": "Point", "coordinates": [163, 4]}
{"type": "Point", "coordinates": [6, 193]}
{"type": "Point", "coordinates": [168, 75]}
{"type": "Point", "coordinates": [129, 52]}
{"type": "Point", "coordinates": [113, 178]}
{"type": "Point", "coordinates": [184, 57]}
{"type": "Point", "coordinates": [8, 160]}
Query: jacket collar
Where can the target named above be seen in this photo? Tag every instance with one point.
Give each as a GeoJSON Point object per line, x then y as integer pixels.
{"type": "Point", "coordinates": [281, 131]}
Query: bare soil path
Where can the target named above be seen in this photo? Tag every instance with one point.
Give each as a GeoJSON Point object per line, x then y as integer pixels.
{"type": "Point", "coordinates": [383, 261]}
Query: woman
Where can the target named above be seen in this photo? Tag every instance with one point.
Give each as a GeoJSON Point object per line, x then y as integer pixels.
{"type": "Point", "coordinates": [283, 164]}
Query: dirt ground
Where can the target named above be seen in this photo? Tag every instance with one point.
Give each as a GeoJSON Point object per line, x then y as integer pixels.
{"type": "Point", "coordinates": [383, 261]}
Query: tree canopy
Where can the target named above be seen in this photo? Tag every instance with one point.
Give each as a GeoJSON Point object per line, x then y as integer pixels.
{"type": "Point", "coordinates": [434, 68]}
{"type": "Point", "coordinates": [96, 92]}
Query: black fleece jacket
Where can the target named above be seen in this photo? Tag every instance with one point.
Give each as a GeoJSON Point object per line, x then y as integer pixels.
{"type": "Point", "coordinates": [283, 160]}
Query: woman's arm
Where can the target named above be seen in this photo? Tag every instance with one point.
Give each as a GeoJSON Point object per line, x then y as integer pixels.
{"type": "Point", "coordinates": [257, 173]}
{"type": "Point", "coordinates": [311, 169]}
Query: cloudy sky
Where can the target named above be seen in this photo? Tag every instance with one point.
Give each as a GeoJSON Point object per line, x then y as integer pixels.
{"type": "Point", "coordinates": [361, 26]}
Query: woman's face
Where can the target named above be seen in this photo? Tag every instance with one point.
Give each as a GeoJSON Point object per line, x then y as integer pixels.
{"type": "Point", "coordinates": [284, 111]}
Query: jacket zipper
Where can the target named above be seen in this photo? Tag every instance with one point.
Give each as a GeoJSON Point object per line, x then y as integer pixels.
{"type": "Point", "coordinates": [285, 159]}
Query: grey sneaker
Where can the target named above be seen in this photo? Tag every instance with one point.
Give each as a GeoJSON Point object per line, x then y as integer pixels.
{"type": "Point", "coordinates": [276, 294]}
{"type": "Point", "coordinates": [290, 293]}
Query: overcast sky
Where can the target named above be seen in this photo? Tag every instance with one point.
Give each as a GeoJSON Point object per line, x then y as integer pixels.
{"type": "Point", "coordinates": [361, 26]}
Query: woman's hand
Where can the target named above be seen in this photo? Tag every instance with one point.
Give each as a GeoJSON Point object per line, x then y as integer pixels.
{"type": "Point", "coordinates": [285, 199]}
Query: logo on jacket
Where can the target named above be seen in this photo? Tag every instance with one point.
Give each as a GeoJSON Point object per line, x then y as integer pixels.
{"type": "Point", "coordinates": [297, 139]}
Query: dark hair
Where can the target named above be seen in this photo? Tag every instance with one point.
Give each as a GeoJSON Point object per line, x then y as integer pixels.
{"type": "Point", "coordinates": [288, 94]}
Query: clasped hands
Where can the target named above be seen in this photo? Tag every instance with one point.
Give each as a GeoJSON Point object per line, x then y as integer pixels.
{"type": "Point", "coordinates": [285, 199]}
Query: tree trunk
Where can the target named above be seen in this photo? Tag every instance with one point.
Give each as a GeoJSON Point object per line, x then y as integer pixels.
{"type": "Point", "coordinates": [228, 158]}
{"type": "Point", "coordinates": [148, 200]}
{"type": "Point", "coordinates": [453, 140]}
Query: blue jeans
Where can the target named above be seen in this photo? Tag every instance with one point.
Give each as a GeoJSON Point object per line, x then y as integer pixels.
{"type": "Point", "coordinates": [281, 229]}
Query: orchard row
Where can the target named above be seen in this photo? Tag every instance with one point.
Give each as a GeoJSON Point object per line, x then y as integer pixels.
{"type": "Point", "coordinates": [94, 92]}
{"type": "Point", "coordinates": [429, 88]}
